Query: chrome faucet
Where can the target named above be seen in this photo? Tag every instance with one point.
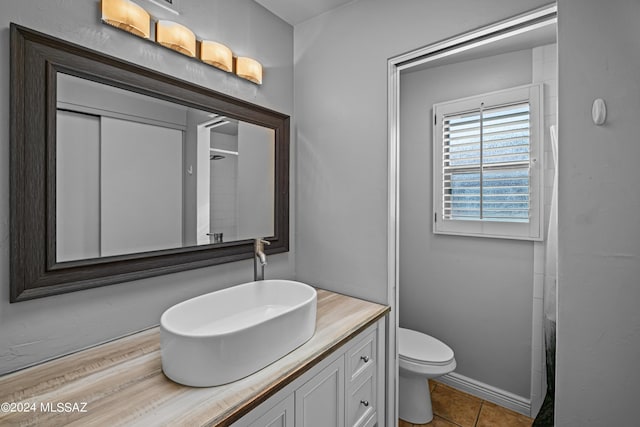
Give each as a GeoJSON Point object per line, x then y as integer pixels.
{"type": "Point", "coordinates": [259, 258]}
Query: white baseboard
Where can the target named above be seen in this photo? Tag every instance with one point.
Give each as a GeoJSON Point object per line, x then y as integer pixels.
{"type": "Point", "coordinates": [487, 392]}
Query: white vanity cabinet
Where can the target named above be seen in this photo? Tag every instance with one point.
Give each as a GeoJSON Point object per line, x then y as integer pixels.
{"type": "Point", "coordinates": [280, 415]}
{"type": "Point", "coordinates": [362, 387]}
{"type": "Point", "coordinates": [344, 390]}
{"type": "Point", "coordinates": [320, 401]}
{"type": "Point", "coordinates": [335, 379]}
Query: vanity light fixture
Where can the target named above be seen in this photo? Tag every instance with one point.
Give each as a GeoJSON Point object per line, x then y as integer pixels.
{"type": "Point", "coordinates": [216, 54]}
{"type": "Point", "coordinates": [249, 69]}
{"type": "Point", "coordinates": [127, 16]}
{"type": "Point", "coordinates": [176, 36]}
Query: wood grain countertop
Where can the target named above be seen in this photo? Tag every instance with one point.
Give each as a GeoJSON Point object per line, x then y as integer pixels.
{"type": "Point", "coordinates": [121, 382]}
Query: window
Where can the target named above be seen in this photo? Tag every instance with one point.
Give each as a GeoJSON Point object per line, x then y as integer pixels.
{"type": "Point", "coordinates": [487, 165]}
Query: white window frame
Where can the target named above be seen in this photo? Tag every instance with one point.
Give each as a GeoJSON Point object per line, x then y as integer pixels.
{"type": "Point", "coordinates": [533, 230]}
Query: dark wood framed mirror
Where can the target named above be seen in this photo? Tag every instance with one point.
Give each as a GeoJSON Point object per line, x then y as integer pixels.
{"type": "Point", "coordinates": [57, 246]}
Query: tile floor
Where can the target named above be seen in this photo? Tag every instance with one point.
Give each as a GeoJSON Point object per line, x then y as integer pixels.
{"type": "Point", "coordinates": [454, 408]}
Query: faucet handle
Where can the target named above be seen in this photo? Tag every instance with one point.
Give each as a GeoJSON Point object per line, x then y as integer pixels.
{"type": "Point", "coordinates": [259, 243]}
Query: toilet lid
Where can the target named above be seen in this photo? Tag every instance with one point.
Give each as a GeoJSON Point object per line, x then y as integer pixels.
{"type": "Point", "coordinates": [422, 348]}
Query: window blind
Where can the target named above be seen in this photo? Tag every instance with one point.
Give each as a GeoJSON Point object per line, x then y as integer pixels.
{"type": "Point", "coordinates": [486, 164]}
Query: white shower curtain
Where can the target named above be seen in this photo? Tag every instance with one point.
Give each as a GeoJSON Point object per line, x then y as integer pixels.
{"type": "Point", "coordinates": [551, 257]}
{"type": "Point", "coordinates": [546, 415]}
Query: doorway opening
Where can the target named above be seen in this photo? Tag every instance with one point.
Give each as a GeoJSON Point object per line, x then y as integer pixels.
{"type": "Point", "coordinates": [508, 40]}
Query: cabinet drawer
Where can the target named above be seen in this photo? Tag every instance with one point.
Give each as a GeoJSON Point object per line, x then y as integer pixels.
{"type": "Point", "coordinates": [361, 403]}
{"type": "Point", "coordinates": [362, 358]}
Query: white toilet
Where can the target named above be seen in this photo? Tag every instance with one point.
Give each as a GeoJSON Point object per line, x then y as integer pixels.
{"type": "Point", "coordinates": [420, 357]}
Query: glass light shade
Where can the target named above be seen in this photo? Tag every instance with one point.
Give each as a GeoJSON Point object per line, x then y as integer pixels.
{"type": "Point", "coordinates": [127, 16]}
{"type": "Point", "coordinates": [216, 54]}
{"type": "Point", "coordinates": [249, 69]}
{"type": "Point", "coordinates": [176, 37]}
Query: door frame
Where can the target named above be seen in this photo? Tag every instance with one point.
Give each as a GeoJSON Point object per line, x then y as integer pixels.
{"type": "Point", "coordinates": [395, 65]}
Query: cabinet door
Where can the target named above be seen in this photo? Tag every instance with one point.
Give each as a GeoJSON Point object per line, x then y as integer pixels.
{"type": "Point", "coordinates": [281, 415]}
{"type": "Point", "coordinates": [320, 401]}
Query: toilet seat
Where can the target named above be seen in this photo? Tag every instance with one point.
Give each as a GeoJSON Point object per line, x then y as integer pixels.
{"type": "Point", "coordinates": [422, 349]}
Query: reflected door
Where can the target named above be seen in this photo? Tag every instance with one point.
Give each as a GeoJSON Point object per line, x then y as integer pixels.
{"type": "Point", "coordinates": [141, 187]}
{"type": "Point", "coordinates": [78, 186]}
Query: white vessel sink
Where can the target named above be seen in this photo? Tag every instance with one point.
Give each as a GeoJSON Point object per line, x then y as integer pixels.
{"type": "Point", "coordinates": [226, 335]}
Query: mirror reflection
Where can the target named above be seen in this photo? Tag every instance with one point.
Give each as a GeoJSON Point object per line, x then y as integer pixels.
{"type": "Point", "coordinates": [136, 174]}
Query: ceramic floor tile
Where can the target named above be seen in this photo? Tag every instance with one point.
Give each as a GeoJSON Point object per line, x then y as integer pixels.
{"type": "Point", "coordinates": [455, 406]}
{"type": "Point", "coordinates": [432, 385]}
{"type": "Point", "coordinates": [403, 423]}
{"type": "Point", "coordinates": [436, 422]}
{"type": "Point", "coordinates": [492, 415]}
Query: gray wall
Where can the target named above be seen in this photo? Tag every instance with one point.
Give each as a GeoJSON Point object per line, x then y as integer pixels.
{"type": "Point", "coordinates": [475, 294]}
{"type": "Point", "coordinates": [341, 129]}
{"type": "Point", "coordinates": [33, 331]}
{"type": "Point", "coordinates": [598, 379]}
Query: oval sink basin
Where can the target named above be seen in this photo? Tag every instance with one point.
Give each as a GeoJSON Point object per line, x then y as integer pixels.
{"type": "Point", "coordinates": [223, 336]}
